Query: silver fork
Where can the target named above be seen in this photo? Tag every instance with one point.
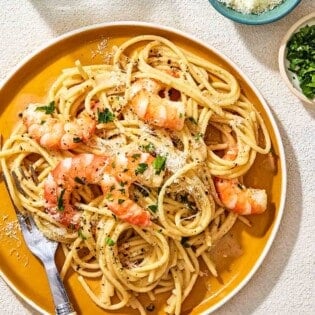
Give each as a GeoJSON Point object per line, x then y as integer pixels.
{"type": "Point", "coordinates": [45, 250]}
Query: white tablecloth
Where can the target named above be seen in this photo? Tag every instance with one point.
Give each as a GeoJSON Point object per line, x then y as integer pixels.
{"type": "Point", "coordinates": [285, 282]}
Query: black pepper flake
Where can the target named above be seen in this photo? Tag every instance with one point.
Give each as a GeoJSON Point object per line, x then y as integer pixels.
{"type": "Point", "coordinates": [143, 191]}
{"type": "Point", "coordinates": [79, 180]}
{"type": "Point", "coordinates": [193, 120]}
{"type": "Point", "coordinates": [240, 186]}
{"type": "Point", "coordinates": [150, 307]}
{"type": "Point", "coordinates": [77, 139]}
{"type": "Point", "coordinates": [184, 242]}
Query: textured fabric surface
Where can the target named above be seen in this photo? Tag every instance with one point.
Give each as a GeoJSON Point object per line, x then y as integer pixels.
{"type": "Point", "coordinates": [285, 282]}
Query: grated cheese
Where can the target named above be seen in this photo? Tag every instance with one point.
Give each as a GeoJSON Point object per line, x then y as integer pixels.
{"type": "Point", "coordinates": [9, 228]}
{"type": "Point", "coordinates": [174, 160]}
{"type": "Point", "coordinates": [10, 238]}
{"type": "Point", "coordinates": [251, 6]}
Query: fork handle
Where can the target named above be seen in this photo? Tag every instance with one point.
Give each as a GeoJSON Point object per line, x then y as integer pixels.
{"type": "Point", "coordinates": [65, 309]}
{"type": "Point", "coordinates": [62, 303]}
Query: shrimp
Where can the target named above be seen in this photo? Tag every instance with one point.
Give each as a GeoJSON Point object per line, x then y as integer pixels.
{"type": "Point", "coordinates": [240, 199]}
{"type": "Point", "coordinates": [52, 133]}
{"type": "Point", "coordinates": [113, 174]}
{"type": "Point", "coordinates": [237, 197]}
{"type": "Point", "coordinates": [148, 103]}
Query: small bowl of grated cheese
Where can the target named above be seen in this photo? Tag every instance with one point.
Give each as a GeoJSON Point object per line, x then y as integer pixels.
{"type": "Point", "coordinates": [254, 12]}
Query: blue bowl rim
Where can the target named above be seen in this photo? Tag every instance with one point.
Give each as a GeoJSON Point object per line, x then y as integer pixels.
{"type": "Point", "coordinates": [243, 18]}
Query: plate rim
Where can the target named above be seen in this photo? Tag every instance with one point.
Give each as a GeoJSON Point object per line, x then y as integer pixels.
{"type": "Point", "coordinates": [257, 93]}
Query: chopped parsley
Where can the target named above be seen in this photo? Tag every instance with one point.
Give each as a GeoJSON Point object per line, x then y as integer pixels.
{"type": "Point", "coordinates": [136, 156]}
{"type": "Point", "coordinates": [122, 190]}
{"type": "Point", "coordinates": [109, 197]}
{"type": "Point", "coordinates": [105, 116]}
{"type": "Point", "coordinates": [79, 180]}
{"type": "Point", "coordinates": [150, 148]}
{"type": "Point", "coordinates": [198, 136]}
{"type": "Point", "coordinates": [120, 201]}
{"type": "Point", "coordinates": [153, 208]}
{"type": "Point", "coordinates": [159, 164]}
{"type": "Point", "coordinates": [49, 109]}
{"type": "Point", "coordinates": [301, 55]}
{"type": "Point", "coordinates": [81, 234]}
{"type": "Point", "coordinates": [109, 241]}
{"type": "Point", "coordinates": [60, 205]}
{"type": "Point", "coordinates": [141, 168]}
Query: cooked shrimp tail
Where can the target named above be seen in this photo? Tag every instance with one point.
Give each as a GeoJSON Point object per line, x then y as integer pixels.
{"type": "Point", "coordinates": [147, 103]}
{"type": "Point", "coordinates": [235, 196]}
{"type": "Point", "coordinates": [52, 133]}
{"type": "Point", "coordinates": [240, 199]}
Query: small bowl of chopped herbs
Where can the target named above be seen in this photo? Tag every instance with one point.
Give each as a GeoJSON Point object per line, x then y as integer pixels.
{"type": "Point", "coordinates": [297, 58]}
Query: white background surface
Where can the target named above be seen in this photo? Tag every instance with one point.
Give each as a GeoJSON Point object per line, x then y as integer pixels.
{"type": "Point", "coordinates": [285, 282]}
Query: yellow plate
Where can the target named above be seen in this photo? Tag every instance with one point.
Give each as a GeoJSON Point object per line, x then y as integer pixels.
{"type": "Point", "coordinates": [30, 82]}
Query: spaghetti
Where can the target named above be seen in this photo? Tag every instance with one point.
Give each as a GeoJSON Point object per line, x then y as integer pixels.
{"type": "Point", "coordinates": [126, 104]}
